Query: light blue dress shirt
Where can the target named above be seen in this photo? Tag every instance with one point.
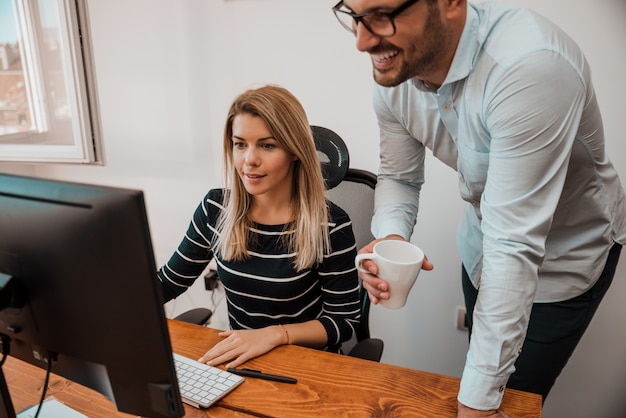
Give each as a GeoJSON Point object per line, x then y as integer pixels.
{"type": "Point", "coordinates": [518, 119]}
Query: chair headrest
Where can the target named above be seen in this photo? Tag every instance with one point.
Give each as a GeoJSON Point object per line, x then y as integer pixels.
{"type": "Point", "coordinates": [333, 155]}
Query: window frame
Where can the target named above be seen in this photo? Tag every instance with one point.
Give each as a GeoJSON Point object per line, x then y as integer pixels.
{"type": "Point", "coordinates": [80, 86]}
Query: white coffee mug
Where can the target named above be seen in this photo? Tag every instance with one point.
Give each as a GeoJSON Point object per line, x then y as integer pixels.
{"type": "Point", "coordinates": [399, 264]}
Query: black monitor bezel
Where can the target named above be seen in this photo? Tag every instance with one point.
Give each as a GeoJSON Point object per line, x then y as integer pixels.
{"type": "Point", "coordinates": [82, 256]}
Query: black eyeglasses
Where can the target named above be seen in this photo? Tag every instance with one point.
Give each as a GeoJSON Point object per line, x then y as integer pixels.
{"type": "Point", "coordinates": [378, 23]}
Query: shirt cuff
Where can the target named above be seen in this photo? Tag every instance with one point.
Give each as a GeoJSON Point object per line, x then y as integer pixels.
{"type": "Point", "coordinates": [390, 230]}
{"type": "Point", "coordinates": [390, 227]}
{"type": "Point", "coordinates": [479, 391]}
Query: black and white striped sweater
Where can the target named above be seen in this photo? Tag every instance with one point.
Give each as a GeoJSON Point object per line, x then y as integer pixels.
{"type": "Point", "coordinates": [265, 289]}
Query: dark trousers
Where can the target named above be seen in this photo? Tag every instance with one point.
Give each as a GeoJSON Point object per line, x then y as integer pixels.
{"type": "Point", "coordinates": [554, 331]}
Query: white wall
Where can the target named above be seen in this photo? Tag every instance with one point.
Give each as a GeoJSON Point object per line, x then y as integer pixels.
{"type": "Point", "coordinates": [167, 72]}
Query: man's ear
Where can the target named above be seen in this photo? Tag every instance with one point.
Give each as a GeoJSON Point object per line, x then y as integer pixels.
{"type": "Point", "coordinates": [454, 9]}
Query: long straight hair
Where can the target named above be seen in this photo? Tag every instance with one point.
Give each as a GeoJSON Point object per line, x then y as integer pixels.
{"type": "Point", "coordinates": [287, 122]}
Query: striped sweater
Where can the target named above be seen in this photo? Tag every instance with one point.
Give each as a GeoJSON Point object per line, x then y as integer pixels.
{"type": "Point", "coordinates": [265, 289]}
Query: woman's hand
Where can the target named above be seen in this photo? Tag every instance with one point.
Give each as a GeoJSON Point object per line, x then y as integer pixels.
{"type": "Point", "coordinates": [239, 346]}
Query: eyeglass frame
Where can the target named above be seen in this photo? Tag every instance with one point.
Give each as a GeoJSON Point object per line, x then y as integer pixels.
{"type": "Point", "coordinates": [360, 17]}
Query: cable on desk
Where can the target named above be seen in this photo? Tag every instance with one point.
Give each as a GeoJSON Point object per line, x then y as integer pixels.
{"type": "Point", "coordinates": [5, 341]}
{"type": "Point", "coordinates": [49, 360]}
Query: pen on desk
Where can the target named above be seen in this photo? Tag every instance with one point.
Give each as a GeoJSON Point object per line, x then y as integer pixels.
{"type": "Point", "coordinates": [261, 375]}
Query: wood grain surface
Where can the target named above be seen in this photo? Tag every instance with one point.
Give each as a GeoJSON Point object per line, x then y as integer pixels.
{"type": "Point", "coordinates": [329, 385]}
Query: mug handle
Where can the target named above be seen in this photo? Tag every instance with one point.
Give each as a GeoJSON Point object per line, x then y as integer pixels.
{"type": "Point", "coordinates": [360, 258]}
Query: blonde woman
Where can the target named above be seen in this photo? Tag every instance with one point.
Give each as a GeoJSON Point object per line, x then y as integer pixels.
{"type": "Point", "coordinates": [284, 254]}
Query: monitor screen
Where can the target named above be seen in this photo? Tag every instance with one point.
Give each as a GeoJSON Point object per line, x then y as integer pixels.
{"type": "Point", "coordinates": [78, 285]}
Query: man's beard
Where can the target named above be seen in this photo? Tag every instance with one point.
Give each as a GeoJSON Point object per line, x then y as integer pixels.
{"type": "Point", "coordinates": [416, 63]}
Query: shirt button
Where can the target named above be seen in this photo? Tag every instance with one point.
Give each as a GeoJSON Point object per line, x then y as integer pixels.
{"type": "Point", "coordinates": [446, 107]}
{"type": "Point", "coordinates": [501, 389]}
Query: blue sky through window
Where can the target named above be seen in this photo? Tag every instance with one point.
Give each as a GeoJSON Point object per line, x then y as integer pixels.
{"type": "Point", "coordinates": [8, 31]}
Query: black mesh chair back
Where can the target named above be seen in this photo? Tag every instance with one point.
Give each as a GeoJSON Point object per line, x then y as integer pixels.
{"type": "Point", "coordinates": [353, 191]}
{"type": "Point", "coordinates": [355, 195]}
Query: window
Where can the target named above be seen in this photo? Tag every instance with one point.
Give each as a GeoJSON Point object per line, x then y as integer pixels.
{"type": "Point", "coordinates": [48, 109]}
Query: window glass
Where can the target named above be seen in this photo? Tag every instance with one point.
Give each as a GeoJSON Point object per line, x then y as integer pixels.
{"type": "Point", "coordinates": [14, 108]}
{"type": "Point", "coordinates": [47, 94]}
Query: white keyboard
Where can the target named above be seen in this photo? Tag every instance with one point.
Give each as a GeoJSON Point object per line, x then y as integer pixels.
{"type": "Point", "coordinates": [202, 385]}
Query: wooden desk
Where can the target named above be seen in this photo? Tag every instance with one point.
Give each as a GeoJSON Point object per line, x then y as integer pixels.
{"type": "Point", "coordinates": [329, 385]}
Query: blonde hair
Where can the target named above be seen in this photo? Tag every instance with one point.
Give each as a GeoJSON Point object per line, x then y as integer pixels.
{"type": "Point", "coordinates": [287, 121]}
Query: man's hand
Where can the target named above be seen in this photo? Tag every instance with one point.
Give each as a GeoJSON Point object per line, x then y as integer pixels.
{"type": "Point", "coordinates": [467, 412]}
{"type": "Point", "coordinates": [376, 287]}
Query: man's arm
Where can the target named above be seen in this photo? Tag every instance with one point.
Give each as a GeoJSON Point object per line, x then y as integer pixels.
{"type": "Point", "coordinates": [533, 117]}
{"type": "Point", "coordinates": [400, 174]}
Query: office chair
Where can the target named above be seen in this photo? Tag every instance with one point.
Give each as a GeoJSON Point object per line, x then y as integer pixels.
{"type": "Point", "coordinates": [353, 191]}
{"type": "Point", "coordinates": [355, 195]}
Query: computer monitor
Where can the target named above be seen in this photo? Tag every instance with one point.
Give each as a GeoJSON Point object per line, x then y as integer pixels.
{"type": "Point", "coordinates": [78, 280]}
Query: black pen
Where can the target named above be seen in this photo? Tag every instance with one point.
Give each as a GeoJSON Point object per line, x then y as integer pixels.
{"type": "Point", "coordinates": [261, 375]}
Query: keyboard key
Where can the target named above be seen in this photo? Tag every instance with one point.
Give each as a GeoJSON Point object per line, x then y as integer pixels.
{"type": "Point", "coordinates": [202, 385]}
